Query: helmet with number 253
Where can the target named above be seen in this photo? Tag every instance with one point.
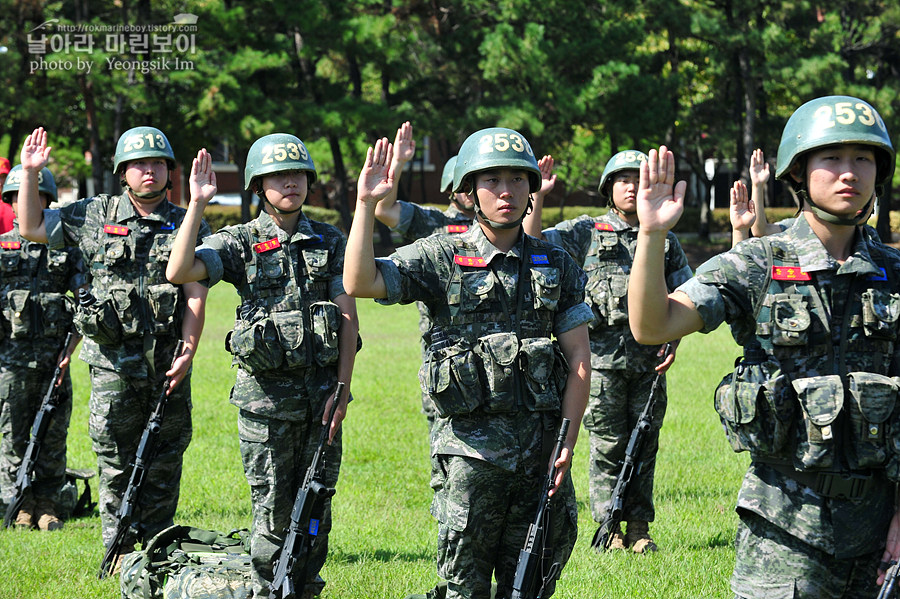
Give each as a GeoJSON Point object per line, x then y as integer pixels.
{"type": "Point", "coordinates": [142, 142]}
{"type": "Point", "coordinates": [46, 183]}
{"type": "Point", "coordinates": [834, 120]}
{"type": "Point", "coordinates": [276, 153]}
{"type": "Point", "coordinates": [623, 161]}
{"type": "Point", "coordinates": [495, 148]}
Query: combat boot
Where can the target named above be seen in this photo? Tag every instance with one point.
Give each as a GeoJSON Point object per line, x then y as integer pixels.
{"type": "Point", "coordinates": [45, 511]}
{"type": "Point", "coordinates": [25, 517]}
{"type": "Point", "coordinates": [638, 537]}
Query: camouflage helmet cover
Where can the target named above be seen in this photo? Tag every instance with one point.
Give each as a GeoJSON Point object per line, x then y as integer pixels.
{"type": "Point", "coordinates": [276, 153]}
{"type": "Point", "coordinates": [46, 183]}
{"type": "Point", "coordinates": [494, 148]}
{"type": "Point", "coordinates": [623, 161]}
{"type": "Point", "coordinates": [142, 142]}
{"type": "Point", "coordinates": [834, 120]}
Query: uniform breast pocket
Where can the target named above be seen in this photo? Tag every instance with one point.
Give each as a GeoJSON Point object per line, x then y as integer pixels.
{"type": "Point", "coordinates": [317, 263]}
{"type": "Point", "coordinates": [880, 311]}
{"type": "Point", "coordinates": [271, 271]}
{"type": "Point", "coordinates": [477, 290]}
{"type": "Point", "coordinates": [545, 286]}
{"type": "Point", "coordinates": [9, 262]}
{"type": "Point", "coordinates": [162, 248]}
{"type": "Point", "coordinates": [115, 252]}
{"type": "Point", "coordinates": [790, 320]}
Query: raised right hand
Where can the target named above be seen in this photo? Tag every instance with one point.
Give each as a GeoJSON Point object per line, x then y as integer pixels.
{"type": "Point", "coordinates": [759, 168]}
{"type": "Point", "coordinates": [35, 154]}
{"type": "Point", "coordinates": [660, 201]}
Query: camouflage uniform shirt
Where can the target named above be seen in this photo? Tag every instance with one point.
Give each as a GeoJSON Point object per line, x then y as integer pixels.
{"type": "Point", "coordinates": [728, 288]}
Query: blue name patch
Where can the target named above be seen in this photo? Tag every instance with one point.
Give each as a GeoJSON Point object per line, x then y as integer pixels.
{"type": "Point", "coordinates": [167, 227]}
{"type": "Point", "coordinates": [540, 259]}
{"type": "Point", "coordinates": [881, 277]}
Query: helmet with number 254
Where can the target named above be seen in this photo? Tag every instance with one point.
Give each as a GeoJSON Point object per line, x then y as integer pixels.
{"type": "Point", "coordinates": [276, 153]}
{"type": "Point", "coordinates": [834, 120]}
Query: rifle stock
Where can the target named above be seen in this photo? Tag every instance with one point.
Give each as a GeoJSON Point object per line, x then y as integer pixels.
{"type": "Point", "coordinates": [143, 457]}
{"type": "Point", "coordinates": [304, 527]}
{"type": "Point", "coordinates": [630, 465]}
{"type": "Point", "coordinates": [535, 554]}
{"type": "Point", "coordinates": [38, 431]}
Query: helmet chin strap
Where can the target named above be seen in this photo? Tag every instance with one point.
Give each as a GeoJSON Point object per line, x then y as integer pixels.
{"type": "Point", "coordinates": [496, 225]}
{"type": "Point", "coordinates": [858, 218]}
{"type": "Point", "coordinates": [263, 197]}
{"type": "Point", "coordinates": [148, 195]}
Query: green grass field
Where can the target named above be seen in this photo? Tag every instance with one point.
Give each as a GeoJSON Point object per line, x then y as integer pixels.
{"type": "Point", "coordinates": [383, 542]}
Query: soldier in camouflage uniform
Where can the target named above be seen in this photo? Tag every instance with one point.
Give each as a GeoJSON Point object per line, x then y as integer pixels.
{"type": "Point", "coordinates": [495, 375]}
{"type": "Point", "coordinates": [36, 316]}
{"type": "Point", "coordinates": [623, 370]}
{"type": "Point", "coordinates": [138, 317]}
{"type": "Point", "coordinates": [816, 310]}
{"type": "Point", "coordinates": [294, 338]}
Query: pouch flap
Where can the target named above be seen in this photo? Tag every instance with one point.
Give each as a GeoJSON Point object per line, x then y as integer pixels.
{"type": "Point", "coordinates": [479, 282]}
{"type": "Point", "coordinates": [546, 277]}
{"type": "Point", "coordinates": [500, 348]}
{"type": "Point", "coordinates": [875, 395]}
{"type": "Point", "coordinates": [537, 358]}
{"type": "Point", "coordinates": [821, 397]}
{"type": "Point", "coordinates": [789, 312]}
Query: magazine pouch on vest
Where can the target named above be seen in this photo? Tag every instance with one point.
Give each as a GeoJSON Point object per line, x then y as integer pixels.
{"type": "Point", "coordinates": [449, 376]}
{"type": "Point", "coordinates": [821, 399]}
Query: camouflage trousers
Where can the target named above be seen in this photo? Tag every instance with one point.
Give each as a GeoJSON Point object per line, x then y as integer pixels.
{"type": "Point", "coordinates": [21, 392]}
{"type": "Point", "coordinates": [484, 513]}
{"type": "Point", "coordinates": [617, 399]}
{"type": "Point", "coordinates": [120, 408]}
{"type": "Point", "coordinates": [773, 564]}
{"type": "Point", "coordinates": [276, 455]}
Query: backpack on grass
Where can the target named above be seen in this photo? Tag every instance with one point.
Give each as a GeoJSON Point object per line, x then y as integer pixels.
{"type": "Point", "coordinates": [183, 561]}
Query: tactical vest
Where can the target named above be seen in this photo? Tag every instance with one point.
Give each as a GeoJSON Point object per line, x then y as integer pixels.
{"type": "Point", "coordinates": [798, 400]}
{"type": "Point", "coordinates": [285, 320]}
{"type": "Point", "coordinates": [34, 282]}
{"type": "Point", "coordinates": [128, 270]}
{"type": "Point", "coordinates": [608, 266]}
{"type": "Point", "coordinates": [490, 349]}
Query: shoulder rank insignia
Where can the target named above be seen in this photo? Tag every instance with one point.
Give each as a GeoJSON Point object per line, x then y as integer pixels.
{"type": "Point", "coordinates": [879, 277]}
{"type": "Point", "coordinates": [470, 261]}
{"type": "Point", "coordinates": [457, 228]}
{"type": "Point", "coordinates": [115, 229]}
{"type": "Point", "coordinates": [265, 246]}
{"type": "Point", "coordinates": [789, 273]}
{"type": "Point", "coordinates": [539, 259]}
{"type": "Point", "coordinates": [603, 226]}
{"type": "Point", "coordinates": [11, 245]}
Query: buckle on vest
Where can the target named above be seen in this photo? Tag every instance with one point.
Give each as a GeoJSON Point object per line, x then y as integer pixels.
{"type": "Point", "coordinates": [850, 486]}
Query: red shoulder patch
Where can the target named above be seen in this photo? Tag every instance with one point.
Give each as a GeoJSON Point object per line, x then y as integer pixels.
{"type": "Point", "coordinates": [603, 227]}
{"type": "Point", "coordinates": [11, 245]}
{"type": "Point", "coordinates": [115, 229]}
{"type": "Point", "coordinates": [789, 273]}
{"type": "Point", "coordinates": [457, 228]}
{"type": "Point", "coordinates": [470, 261]}
{"type": "Point", "coordinates": [265, 246]}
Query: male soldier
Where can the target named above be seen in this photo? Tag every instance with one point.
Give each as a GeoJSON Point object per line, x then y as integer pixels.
{"type": "Point", "coordinates": [36, 315]}
{"type": "Point", "coordinates": [623, 371]}
{"type": "Point", "coordinates": [294, 338]}
{"type": "Point", "coordinates": [493, 372]}
{"type": "Point", "coordinates": [136, 321]}
{"type": "Point", "coordinates": [6, 213]}
{"type": "Point", "coordinates": [815, 308]}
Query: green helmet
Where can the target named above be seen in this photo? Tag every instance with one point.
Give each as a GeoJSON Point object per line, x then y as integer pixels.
{"type": "Point", "coordinates": [495, 148]}
{"type": "Point", "coordinates": [142, 142]}
{"type": "Point", "coordinates": [46, 183]}
{"type": "Point", "coordinates": [623, 161]}
{"type": "Point", "coordinates": [276, 153]}
{"type": "Point", "coordinates": [836, 120]}
{"type": "Point", "coordinates": [447, 175]}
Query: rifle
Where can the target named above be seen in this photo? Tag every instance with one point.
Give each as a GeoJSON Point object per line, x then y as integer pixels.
{"type": "Point", "coordinates": [140, 467]}
{"type": "Point", "coordinates": [534, 558]}
{"type": "Point", "coordinates": [888, 587]}
{"type": "Point", "coordinates": [630, 466]}
{"type": "Point", "coordinates": [301, 532]}
{"type": "Point", "coordinates": [38, 432]}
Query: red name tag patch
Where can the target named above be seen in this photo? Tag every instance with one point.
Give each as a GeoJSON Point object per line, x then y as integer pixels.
{"type": "Point", "coordinates": [265, 246]}
{"type": "Point", "coordinates": [457, 228]}
{"type": "Point", "coordinates": [11, 245]}
{"type": "Point", "coordinates": [469, 261]}
{"type": "Point", "coordinates": [115, 229]}
{"type": "Point", "coordinates": [789, 273]}
{"type": "Point", "coordinates": [603, 226]}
